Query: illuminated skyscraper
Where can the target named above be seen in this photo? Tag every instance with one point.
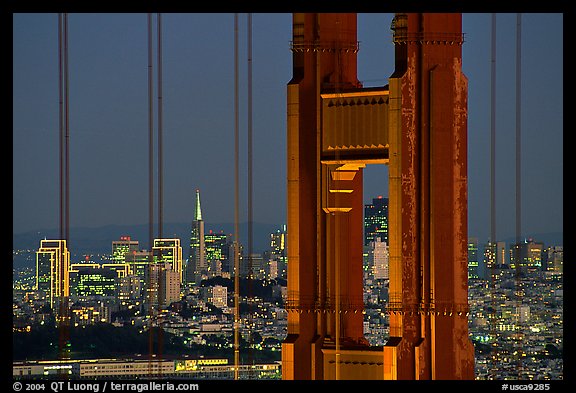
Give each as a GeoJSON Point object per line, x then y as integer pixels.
{"type": "Point", "coordinates": [164, 275]}
{"type": "Point", "coordinates": [217, 295]}
{"type": "Point", "coordinates": [138, 261]}
{"type": "Point", "coordinates": [515, 255]}
{"type": "Point", "coordinates": [531, 254]}
{"type": "Point", "coordinates": [473, 257]}
{"type": "Point", "coordinates": [197, 260]}
{"type": "Point", "coordinates": [502, 257]}
{"type": "Point", "coordinates": [170, 287]}
{"type": "Point", "coordinates": [169, 251]}
{"type": "Point", "coordinates": [528, 252]}
{"type": "Point", "coordinates": [123, 247]}
{"type": "Point", "coordinates": [129, 288]}
{"type": "Point", "coordinates": [163, 286]}
{"type": "Point", "coordinates": [52, 270]}
{"type": "Point", "coordinates": [555, 258]}
{"type": "Point", "coordinates": [278, 242]}
{"type": "Point", "coordinates": [489, 256]}
{"type": "Point", "coordinates": [216, 252]}
{"type": "Point", "coordinates": [379, 255]}
{"type": "Point", "coordinates": [93, 280]}
{"type": "Point", "coordinates": [534, 253]}
{"type": "Point", "coordinates": [376, 220]}
{"type": "Point", "coordinates": [278, 252]}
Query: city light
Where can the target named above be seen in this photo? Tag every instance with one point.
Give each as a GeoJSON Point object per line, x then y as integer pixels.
{"type": "Point", "coordinates": [375, 288]}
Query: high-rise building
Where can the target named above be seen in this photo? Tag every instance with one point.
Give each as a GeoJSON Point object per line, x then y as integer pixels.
{"type": "Point", "coordinates": [531, 253]}
{"type": "Point", "coordinates": [52, 271]}
{"type": "Point", "coordinates": [129, 288]}
{"type": "Point", "coordinates": [273, 270]}
{"type": "Point", "coordinates": [376, 220]}
{"type": "Point", "coordinates": [169, 251]}
{"type": "Point", "coordinates": [216, 252]}
{"type": "Point", "coordinates": [231, 268]}
{"type": "Point", "coordinates": [502, 257]}
{"type": "Point", "coordinates": [489, 256]}
{"type": "Point", "coordinates": [523, 313]}
{"type": "Point", "coordinates": [164, 275]}
{"type": "Point", "coordinates": [170, 290]}
{"type": "Point", "coordinates": [378, 255]}
{"type": "Point", "coordinates": [138, 262]}
{"type": "Point", "coordinates": [515, 255]}
{"type": "Point", "coordinates": [278, 242]}
{"type": "Point", "coordinates": [197, 259]}
{"type": "Point", "coordinates": [122, 248]}
{"type": "Point", "coordinates": [121, 269]}
{"type": "Point", "coordinates": [277, 255]}
{"type": "Point", "coordinates": [473, 258]}
{"type": "Point", "coordinates": [228, 253]}
{"type": "Point", "coordinates": [252, 266]}
{"type": "Point", "coordinates": [93, 280]}
{"type": "Point", "coordinates": [555, 258]}
{"type": "Point", "coordinates": [219, 296]}
{"type": "Point", "coordinates": [162, 286]}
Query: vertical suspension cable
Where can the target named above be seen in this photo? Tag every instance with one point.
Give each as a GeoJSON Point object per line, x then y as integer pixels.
{"type": "Point", "coordinates": [160, 152]}
{"type": "Point", "coordinates": [236, 208]}
{"type": "Point", "coordinates": [493, 135]}
{"type": "Point", "coordinates": [61, 148]}
{"type": "Point", "coordinates": [162, 267]}
{"type": "Point", "coordinates": [518, 187]}
{"type": "Point", "coordinates": [518, 128]}
{"type": "Point", "coordinates": [250, 206]}
{"type": "Point", "coordinates": [63, 263]}
{"type": "Point", "coordinates": [61, 125]}
{"type": "Point", "coordinates": [492, 242]}
{"type": "Point", "coordinates": [64, 159]}
{"type": "Point", "coordinates": [67, 135]}
{"type": "Point", "coordinates": [150, 140]}
{"type": "Point", "coordinates": [150, 196]}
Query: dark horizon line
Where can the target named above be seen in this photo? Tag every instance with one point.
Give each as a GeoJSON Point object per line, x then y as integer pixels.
{"type": "Point", "coordinates": [511, 238]}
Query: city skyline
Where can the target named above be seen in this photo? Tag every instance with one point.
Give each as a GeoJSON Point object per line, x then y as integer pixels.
{"type": "Point", "coordinates": [94, 287]}
{"type": "Point", "coordinates": [109, 131]}
{"type": "Point", "coordinates": [415, 309]}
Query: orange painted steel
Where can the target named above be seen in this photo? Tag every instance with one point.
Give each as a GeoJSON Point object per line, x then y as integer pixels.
{"type": "Point", "coordinates": [421, 135]}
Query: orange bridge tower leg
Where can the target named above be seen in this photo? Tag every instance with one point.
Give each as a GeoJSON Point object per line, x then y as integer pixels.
{"type": "Point", "coordinates": [428, 202]}
{"type": "Point", "coordinates": [418, 126]}
{"type": "Point", "coordinates": [324, 299]}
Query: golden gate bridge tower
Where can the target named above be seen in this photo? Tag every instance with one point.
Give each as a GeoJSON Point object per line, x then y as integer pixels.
{"type": "Point", "coordinates": [417, 125]}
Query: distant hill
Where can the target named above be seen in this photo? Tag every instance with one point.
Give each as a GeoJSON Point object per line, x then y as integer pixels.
{"type": "Point", "coordinates": [549, 239]}
{"type": "Point", "coordinates": [99, 240]}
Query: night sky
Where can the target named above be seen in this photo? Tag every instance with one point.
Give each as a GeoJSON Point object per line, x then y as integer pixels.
{"type": "Point", "coordinates": [108, 68]}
